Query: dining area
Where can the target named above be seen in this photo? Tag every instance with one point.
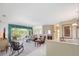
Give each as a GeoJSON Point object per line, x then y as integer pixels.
{"type": "Point", "coordinates": [39, 40]}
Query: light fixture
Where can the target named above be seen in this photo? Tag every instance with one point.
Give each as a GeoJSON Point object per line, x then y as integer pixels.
{"type": "Point", "coordinates": [49, 31]}
{"type": "Point", "coordinates": [74, 24]}
{"type": "Point", "coordinates": [57, 25]}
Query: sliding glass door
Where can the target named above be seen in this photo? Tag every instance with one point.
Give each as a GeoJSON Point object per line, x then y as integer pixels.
{"type": "Point", "coordinates": [18, 32]}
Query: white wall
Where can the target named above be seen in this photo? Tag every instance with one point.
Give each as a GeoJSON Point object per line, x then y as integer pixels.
{"type": "Point", "coordinates": [2, 26]}
{"type": "Point", "coordinates": [5, 23]}
{"type": "Point", "coordinates": [37, 30]}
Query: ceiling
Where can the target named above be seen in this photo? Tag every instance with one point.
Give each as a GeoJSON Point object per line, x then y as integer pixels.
{"type": "Point", "coordinates": [37, 13]}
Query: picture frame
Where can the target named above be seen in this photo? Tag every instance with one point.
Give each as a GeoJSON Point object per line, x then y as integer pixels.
{"type": "Point", "coordinates": [67, 31]}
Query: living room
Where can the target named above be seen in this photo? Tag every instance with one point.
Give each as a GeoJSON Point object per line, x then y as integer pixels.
{"type": "Point", "coordinates": [34, 26]}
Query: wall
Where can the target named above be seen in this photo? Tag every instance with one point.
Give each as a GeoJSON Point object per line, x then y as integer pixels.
{"type": "Point", "coordinates": [5, 25]}
{"type": "Point", "coordinates": [73, 28]}
{"type": "Point", "coordinates": [37, 30]}
{"type": "Point", "coordinates": [62, 49]}
{"type": "Point", "coordinates": [48, 27]}
{"type": "Point", "coordinates": [2, 26]}
{"type": "Point", "coordinates": [56, 32]}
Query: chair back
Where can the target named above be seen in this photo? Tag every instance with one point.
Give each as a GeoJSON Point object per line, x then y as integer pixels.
{"type": "Point", "coordinates": [14, 45]}
{"type": "Point", "coordinates": [43, 39]}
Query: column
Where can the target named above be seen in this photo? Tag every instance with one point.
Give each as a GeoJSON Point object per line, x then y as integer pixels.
{"type": "Point", "coordinates": [74, 32]}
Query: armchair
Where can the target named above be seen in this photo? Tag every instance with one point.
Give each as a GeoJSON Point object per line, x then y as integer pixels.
{"type": "Point", "coordinates": [15, 46]}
